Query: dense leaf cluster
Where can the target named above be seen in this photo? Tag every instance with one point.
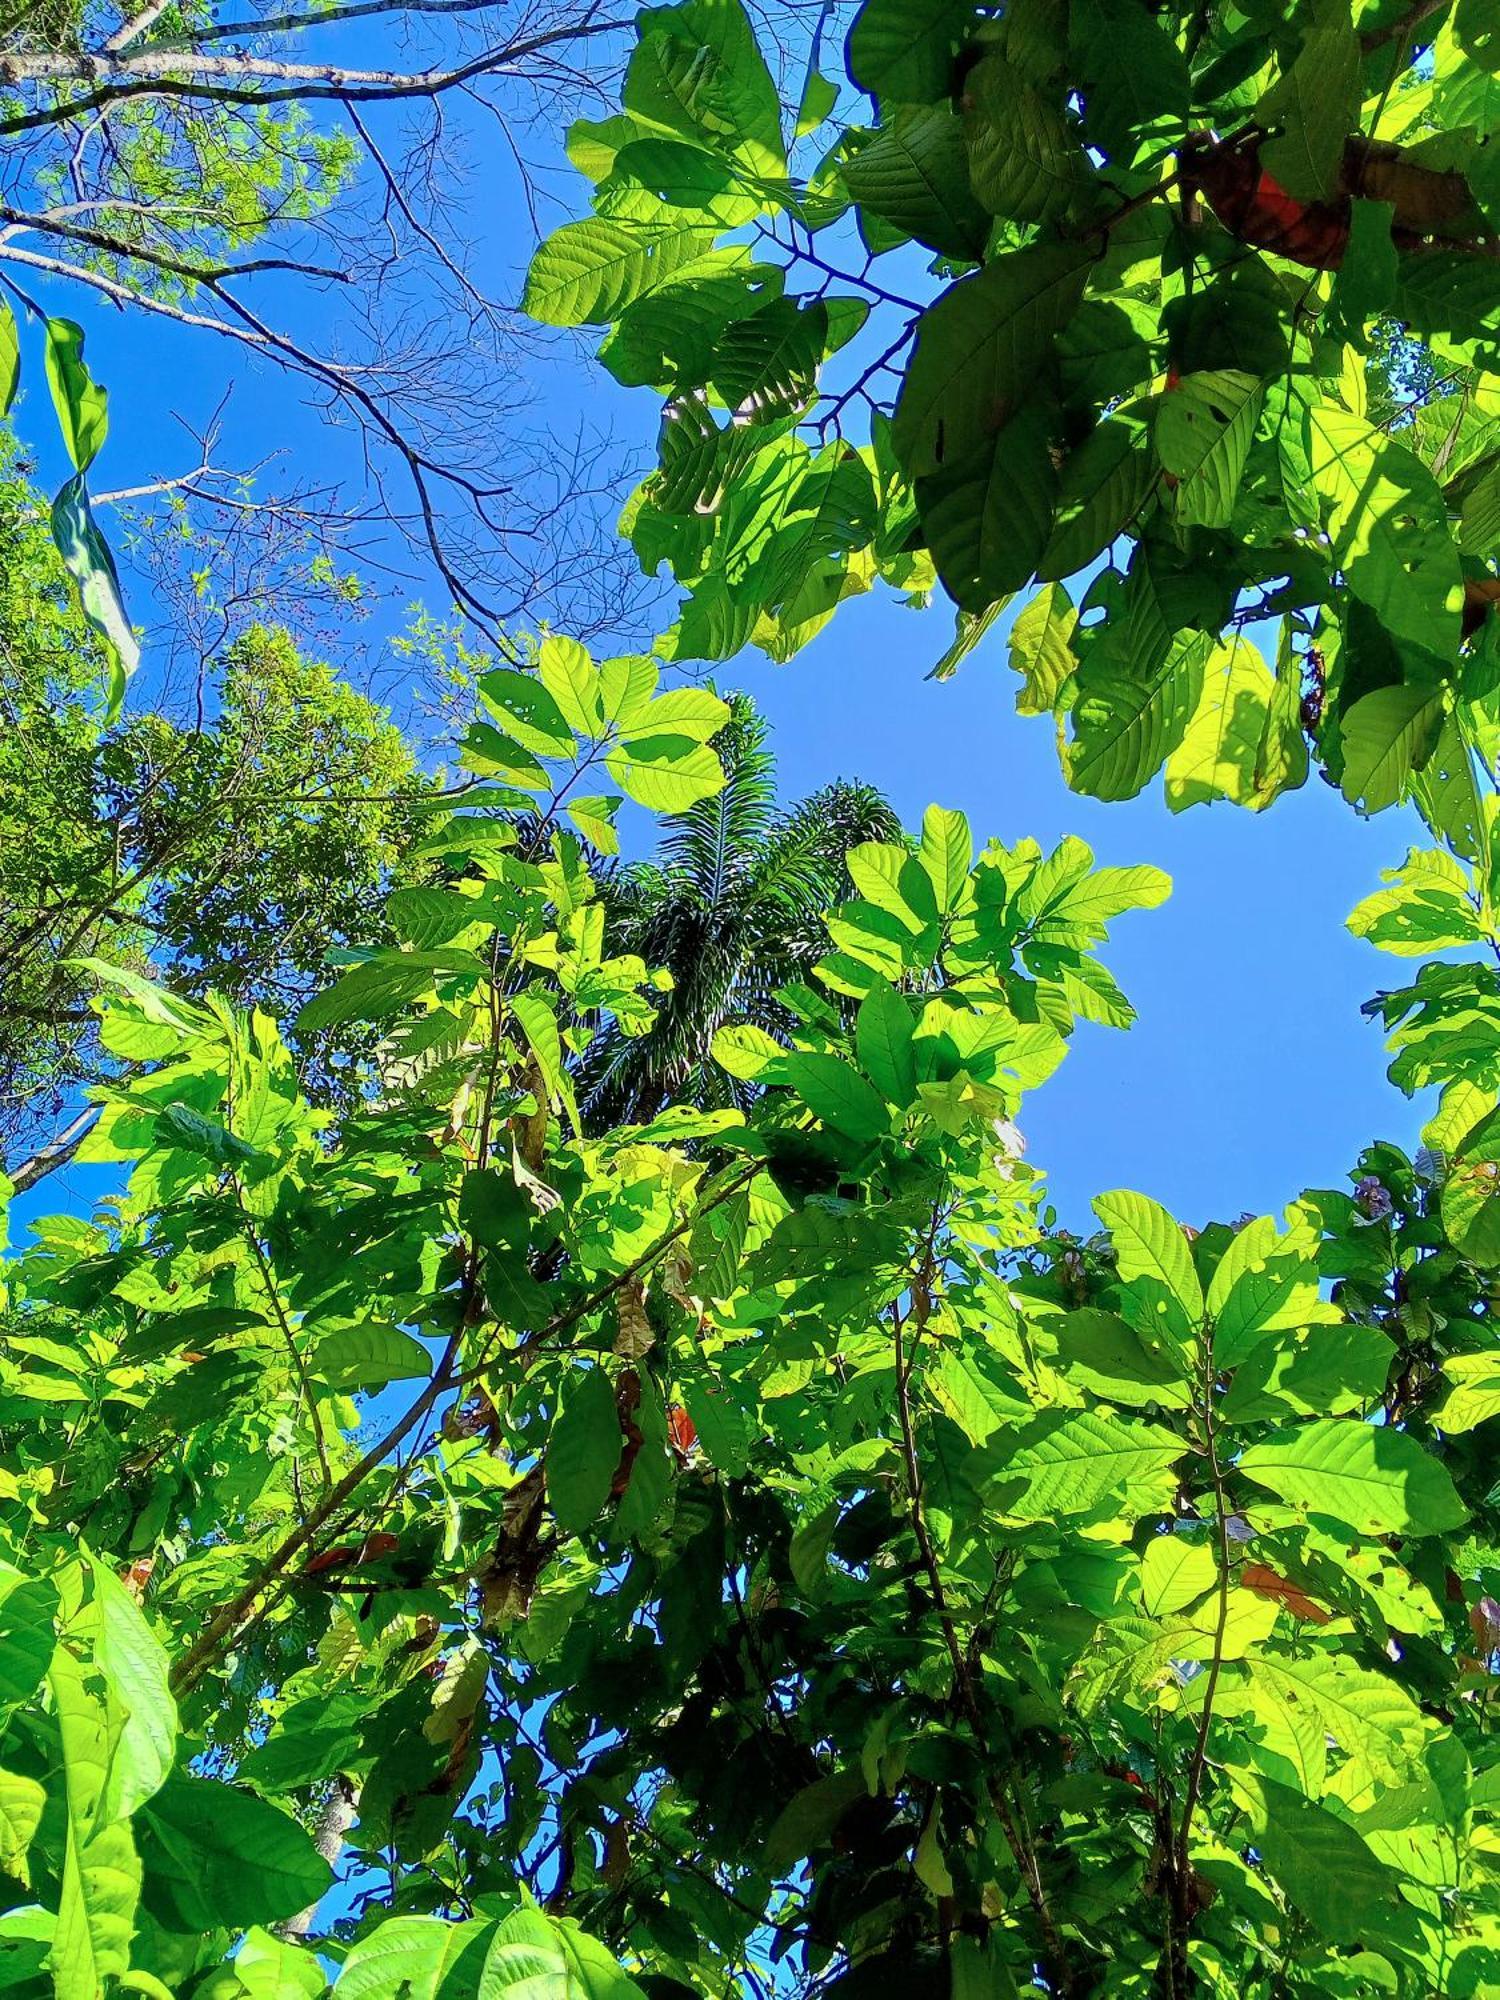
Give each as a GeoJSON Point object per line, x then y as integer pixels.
{"type": "Point", "coordinates": [1105, 299]}
{"type": "Point", "coordinates": [757, 1536]}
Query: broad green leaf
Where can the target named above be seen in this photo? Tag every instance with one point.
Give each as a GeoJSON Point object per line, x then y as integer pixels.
{"type": "Point", "coordinates": [1070, 1463]}
{"type": "Point", "coordinates": [1025, 162]}
{"type": "Point", "coordinates": [835, 1092]}
{"type": "Point", "coordinates": [883, 1039]}
{"type": "Point", "coordinates": [1104, 487]}
{"type": "Point", "coordinates": [10, 357]}
{"type": "Point", "coordinates": [571, 678]}
{"type": "Point", "coordinates": [914, 175]}
{"type": "Point", "coordinates": [904, 55]}
{"type": "Point", "coordinates": [1218, 757]}
{"type": "Point", "coordinates": [1386, 738]}
{"type": "Point", "coordinates": [135, 1667]}
{"type": "Point", "coordinates": [1204, 428]}
{"type": "Point", "coordinates": [384, 985]}
{"type": "Point", "coordinates": [1152, 1252]}
{"type": "Point", "coordinates": [808, 1821]}
{"type": "Point", "coordinates": [583, 1452]}
{"type": "Point", "coordinates": [1108, 1357]}
{"type": "Point", "coordinates": [697, 73]}
{"type": "Point", "coordinates": [987, 516]}
{"type": "Point", "coordinates": [978, 352]}
{"type": "Point", "coordinates": [28, 1609]}
{"type": "Point", "coordinates": [21, 1803]}
{"type": "Point", "coordinates": [82, 406]}
{"type": "Point", "coordinates": [1312, 108]}
{"type": "Point", "coordinates": [1322, 1865]}
{"type": "Point", "coordinates": [525, 709]}
{"type": "Point", "coordinates": [1135, 77]}
{"type": "Point", "coordinates": [269, 1968]}
{"type": "Point", "coordinates": [101, 1875]}
{"type": "Point", "coordinates": [536, 1957]}
{"type": "Point", "coordinates": [367, 1355]}
{"type": "Point", "coordinates": [1390, 537]}
{"type": "Point", "coordinates": [1475, 1395]}
{"type": "Point", "coordinates": [1175, 1572]}
{"type": "Point", "coordinates": [667, 773]}
{"type": "Point", "coordinates": [1041, 651]}
{"type": "Point", "coordinates": [1428, 908]}
{"type": "Point", "coordinates": [586, 273]}
{"type": "Point", "coordinates": [86, 556]}
{"type": "Point", "coordinates": [946, 854]}
{"type": "Point", "coordinates": [1377, 1480]}
{"type": "Point", "coordinates": [218, 1857]}
{"type": "Point", "coordinates": [414, 1958]}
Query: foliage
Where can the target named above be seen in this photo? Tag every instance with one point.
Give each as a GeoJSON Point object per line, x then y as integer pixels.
{"type": "Point", "coordinates": [235, 852]}
{"type": "Point", "coordinates": [731, 907]}
{"type": "Point", "coordinates": [756, 1536]}
{"type": "Point", "coordinates": [1104, 297]}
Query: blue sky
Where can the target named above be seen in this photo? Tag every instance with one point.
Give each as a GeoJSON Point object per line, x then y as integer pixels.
{"type": "Point", "coordinates": [1250, 1073]}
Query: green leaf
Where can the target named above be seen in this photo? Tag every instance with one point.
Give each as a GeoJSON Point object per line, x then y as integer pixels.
{"type": "Point", "coordinates": [1386, 737]}
{"type": "Point", "coordinates": [21, 1803]}
{"type": "Point", "coordinates": [1219, 755]}
{"type": "Point", "coordinates": [82, 406]}
{"type": "Point", "coordinates": [914, 175]}
{"type": "Point", "coordinates": [1135, 77]}
{"type": "Point", "coordinates": [382, 986]}
{"type": "Point", "coordinates": [569, 675]}
{"type": "Point", "coordinates": [28, 1609]}
{"type": "Point", "coordinates": [583, 1452]}
{"type": "Point", "coordinates": [946, 855]}
{"type": "Point", "coordinates": [883, 1035]}
{"type": "Point", "coordinates": [1376, 1480]}
{"type": "Point", "coordinates": [10, 358]}
{"type": "Point", "coordinates": [1069, 1463]}
{"type": "Point", "coordinates": [1107, 1356]}
{"type": "Point", "coordinates": [416, 1958]}
{"type": "Point", "coordinates": [101, 1875]}
{"type": "Point", "coordinates": [666, 774]}
{"type": "Point", "coordinates": [1315, 105]}
{"type": "Point", "coordinates": [536, 1957]}
{"type": "Point", "coordinates": [1041, 651]}
{"type": "Point", "coordinates": [988, 516]}
{"type": "Point", "coordinates": [809, 1820]}
{"type": "Point", "coordinates": [1428, 908]}
{"type": "Point", "coordinates": [697, 73]}
{"type": "Point", "coordinates": [87, 559]}
{"type": "Point", "coordinates": [1104, 487]}
{"type": "Point", "coordinates": [1475, 1395]}
{"type": "Point", "coordinates": [367, 1355]}
{"type": "Point", "coordinates": [218, 1857]}
{"type": "Point", "coordinates": [1025, 162]}
{"type": "Point", "coordinates": [270, 1969]}
{"type": "Point", "coordinates": [525, 709]}
{"type": "Point", "coordinates": [1204, 429]}
{"type": "Point", "coordinates": [1388, 522]}
{"type": "Point", "coordinates": [1175, 1572]}
{"type": "Point", "coordinates": [1323, 1866]}
{"type": "Point", "coordinates": [1152, 1252]}
{"type": "Point", "coordinates": [1138, 689]}
{"type": "Point", "coordinates": [586, 273]}
{"type": "Point", "coordinates": [134, 1663]}
{"type": "Point", "coordinates": [835, 1092]}
{"type": "Point", "coordinates": [979, 350]}
{"type": "Point", "coordinates": [904, 55]}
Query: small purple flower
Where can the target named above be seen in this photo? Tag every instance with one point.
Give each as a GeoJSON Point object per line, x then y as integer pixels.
{"type": "Point", "coordinates": [1372, 1198]}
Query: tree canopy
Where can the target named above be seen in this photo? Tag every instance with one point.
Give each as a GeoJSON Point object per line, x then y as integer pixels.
{"type": "Point", "coordinates": [472, 1532]}
{"type": "Point", "coordinates": [1184, 314]}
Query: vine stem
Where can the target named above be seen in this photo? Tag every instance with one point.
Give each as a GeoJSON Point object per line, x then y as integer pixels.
{"type": "Point", "coordinates": [1181, 1875]}
{"type": "Point", "coordinates": [1025, 1858]}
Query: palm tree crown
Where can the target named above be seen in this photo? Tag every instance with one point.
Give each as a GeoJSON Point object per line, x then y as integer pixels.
{"type": "Point", "coordinates": [732, 907]}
